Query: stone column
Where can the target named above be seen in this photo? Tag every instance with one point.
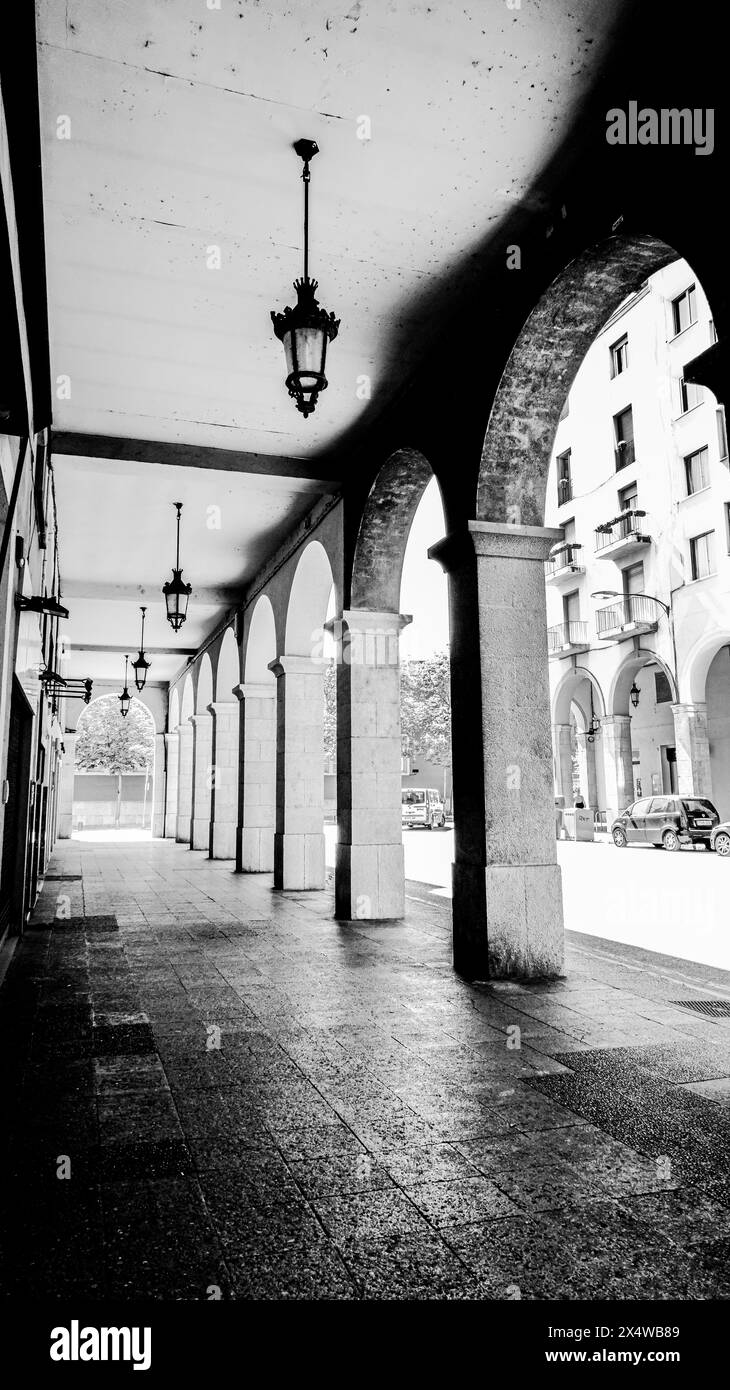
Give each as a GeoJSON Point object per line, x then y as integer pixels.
{"type": "Point", "coordinates": [507, 891]}
{"type": "Point", "coordinates": [158, 808]}
{"type": "Point", "coordinates": [694, 772]}
{"type": "Point", "coordinates": [563, 750]}
{"type": "Point", "coordinates": [224, 789]}
{"type": "Point", "coordinates": [184, 783]}
{"type": "Point", "coordinates": [617, 764]}
{"type": "Point", "coordinates": [369, 875]}
{"type": "Point", "coordinates": [66, 790]}
{"type": "Point", "coordinates": [172, 746]}
{"type": "Point", "coordinates": [587, 770]}
{"type": "Point", "coordinates": [256, 778]}
{"type": "Point", "coordinates": [202, 776]}
{"type": "Point", "coordinates": [299, 834]}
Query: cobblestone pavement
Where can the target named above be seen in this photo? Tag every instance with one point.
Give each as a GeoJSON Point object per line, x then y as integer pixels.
{"type": "Point", "coordinates": [212, 1086]}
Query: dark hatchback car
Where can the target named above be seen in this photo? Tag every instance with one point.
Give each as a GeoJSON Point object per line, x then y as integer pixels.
{"type": "Point", "coordinates": [667, 822]}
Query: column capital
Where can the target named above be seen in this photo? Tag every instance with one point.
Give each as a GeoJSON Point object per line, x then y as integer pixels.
{"type": "Point", "coordinates": [494, 539]}
{"type": "Point", "coordinates": [368, 620]}
{"type": "Point", "coordinates": [251, 690]}
{"type": "Point", "coordinates": [222, 707]}
{"type": "Point", "coordinates": [297, 665]}
{"type": "Point", "coordinates": [608, 720]}
{"type": "Point", "coordinates": [201, 717]}
{"type": "Point", "coordinates": [690, 708]}
{"type": "Point", "coordinates": [173, 733]}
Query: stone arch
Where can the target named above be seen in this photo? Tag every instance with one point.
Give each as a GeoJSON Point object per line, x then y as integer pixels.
{"type": "Point", "coordinates": [174, 716]}
{"type": "Point", "coordinates": [618, 700]}
{"type": "Point", "coordinates": [82, 813]}
{"type": "Point", "coordinates": [260, 644]}
{"type": "Point", "coordinates": [228, 667]}
{"type": "Point", "coordinates": [187, 701]}
{"type": "Point", "coordinates": [308, 602]}
{"type": "Point", "coordinates": [565, 694]}
{"type": "Point", "coordinates": [204, 686]}
{"type": "Point", "coordinates": [697, 665]}
{"type": "Point", "coordinates": [540, 370]}
{"type": "Point", "coordinates": [384, 528]}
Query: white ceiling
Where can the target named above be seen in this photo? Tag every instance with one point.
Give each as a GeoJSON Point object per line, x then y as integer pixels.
{"type": "Point", "coordinates": [181, 122]}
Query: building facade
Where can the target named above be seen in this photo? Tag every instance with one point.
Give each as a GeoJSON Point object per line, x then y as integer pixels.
{"type": "Point", "coordinates": [638, 589]}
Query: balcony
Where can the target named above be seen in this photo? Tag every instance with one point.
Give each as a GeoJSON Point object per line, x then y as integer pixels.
{"type": "Point", "coordinates": [627, 617]}
{"type": "Point", "coordinates": [563, 564]}
{"type": "Point", "coordinates": [620, 537]}
{"type": "Point", "coordinates": [625, 453]}
{"type": "Point", "coordinates": [567, 638]}
{"type": "Point", "coordinates": [565, 491]}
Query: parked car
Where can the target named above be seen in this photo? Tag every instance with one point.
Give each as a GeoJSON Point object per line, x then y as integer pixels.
{"type": "Point", "coordinates": [667, 822]}
{"type": "Point", "coordinates": [422, 806]}
{"type": "Point", "coordinates": [720, 839]}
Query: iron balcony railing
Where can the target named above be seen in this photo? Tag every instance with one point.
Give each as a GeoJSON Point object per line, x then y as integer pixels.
{"type": "Point", "coordinates": [625, 612]}
{"type": "Point", "coordinates": [563, 557]}
{"type": "Point", "coordinates": [565, 491]}
{"type": "Point", "coordinates": [625, 453]}
{"type": "Point", "coordinates": [625, 527]}
{"type": "Point", "coordinates": [563, 635]}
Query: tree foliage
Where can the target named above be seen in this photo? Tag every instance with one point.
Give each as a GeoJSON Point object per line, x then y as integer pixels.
{"type": "Point", "coordinates": [425, 704]}
{"type": "Point", "coordinates": [107, 743]}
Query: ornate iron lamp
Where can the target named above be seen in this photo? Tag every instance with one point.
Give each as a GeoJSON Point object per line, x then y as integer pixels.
{"type": "Point", "coordinates": [125, 699]}
{"type": "Point", "coordinates": [141, 666]}
{"type": "Point", "coordinates": [176, 592]}
{"type": "Point", "coordinates": [306, 329]}
{"type": "Point", "coordinates": [634, 694]}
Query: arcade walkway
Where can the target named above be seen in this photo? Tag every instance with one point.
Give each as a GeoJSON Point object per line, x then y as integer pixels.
{"type": "Point", "coordinates": [250, 1100]}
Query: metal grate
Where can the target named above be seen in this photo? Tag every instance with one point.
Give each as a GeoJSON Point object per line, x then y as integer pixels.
{"type": "Point", "coordinates": [712, 1008]}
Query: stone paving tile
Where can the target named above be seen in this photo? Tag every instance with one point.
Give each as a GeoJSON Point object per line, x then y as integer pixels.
{"type": "Point", "coordinates": [361, 1125]}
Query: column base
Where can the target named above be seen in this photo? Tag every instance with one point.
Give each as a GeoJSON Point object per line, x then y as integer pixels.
{"type": "Point", "coordinates": [182, 832]}
{"type": "Point", "coordinates": [508, 921]}
{"type": "Point", "coordinates": [222, 840]}
{"type": "Point", "coordinates": [369, 883]}
{"type": "Point", "coordinates": [65, 826]}
{"type": "Point", "coordinates": [199, 834]}
{"type": "Point", "coordinates": [254, 849]}
{"type": "Point", "coordinates": [298, 860]}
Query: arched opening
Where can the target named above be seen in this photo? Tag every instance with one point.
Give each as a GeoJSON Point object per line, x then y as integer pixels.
{"type": "Point", "coordinates": [174, 711]}
{"type": "Point", "coordinates": [202, 781]}
{"type": "Point", "coordinates": [257, 733]}
{"type": "Point", "coordinates": [225, 751]}
{"type": "Point", "coordinates": [578, 709]}
{"type": "Point", "coordinates": [185, 763]}
{"type": "Point", "coordinates": [392, 576]}
{"type": "Point", "coordinates": [704, 719]}
{"type": "Point", "coordinates": [299, 837]}
{"type": "Point", "coordinates": [114, 771]}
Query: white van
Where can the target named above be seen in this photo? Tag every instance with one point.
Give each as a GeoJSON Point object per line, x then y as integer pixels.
{"type": "Point", "coordinates": [422, 806]}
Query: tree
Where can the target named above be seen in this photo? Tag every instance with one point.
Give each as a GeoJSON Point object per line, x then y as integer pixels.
{"type": "Point", "coordinates": [330, 711]}
{"type": "Point", "coordinates": [108, 743]}
{"type": "Point", "coordinates": [425, 704]}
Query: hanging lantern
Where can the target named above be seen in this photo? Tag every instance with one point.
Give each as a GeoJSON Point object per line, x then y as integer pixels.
{"type": "Point", "coordinates": [141, 666]}
{"type": "Point", "coordinates": [305, 330]}
{"type": "Point", "coordinates": [125, 698]}
{"type": "Point", "coordinates": [176, 592]}
{"type": "Point", "coordinates": [634, 694]}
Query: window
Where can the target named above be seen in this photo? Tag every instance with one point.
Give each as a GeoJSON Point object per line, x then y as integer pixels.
{"type": "Point", "coordinates": [721, 432]}
{"type": "Point", "coordinates": [565, 488]}
{"type": "Point", "coordinates": [662, 689]}
{"type": "Point", "coordinates": [690, 395]}
{"type": "Point", "coordinates": [571, 607]}
{"type": "Point", "coordinates": [633, 579]}
{"type": "Point", "coordinates": [628, 498]}
{"type": "Point", "coordinates": [684, 309]}
{"type": "Point", "coordinates": [623, 425]}
{"type": "Point", "coordinates": [569, 531]}
{"type": "Point", "coordinates": [697, 472]}
{"type": "Point", "coordinates": [701, 555]}
{"type": "Point", "coordinates": [619, 356]}
{"type": "Point", "coordinates": [660, 806]}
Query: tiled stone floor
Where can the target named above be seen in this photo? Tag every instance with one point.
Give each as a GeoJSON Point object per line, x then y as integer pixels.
{"type": "Point", "coordinates": [253, 1099]}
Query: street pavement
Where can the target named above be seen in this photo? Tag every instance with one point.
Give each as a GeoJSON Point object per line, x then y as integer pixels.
{"type": "Point", "coordinates": [676, 904]}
